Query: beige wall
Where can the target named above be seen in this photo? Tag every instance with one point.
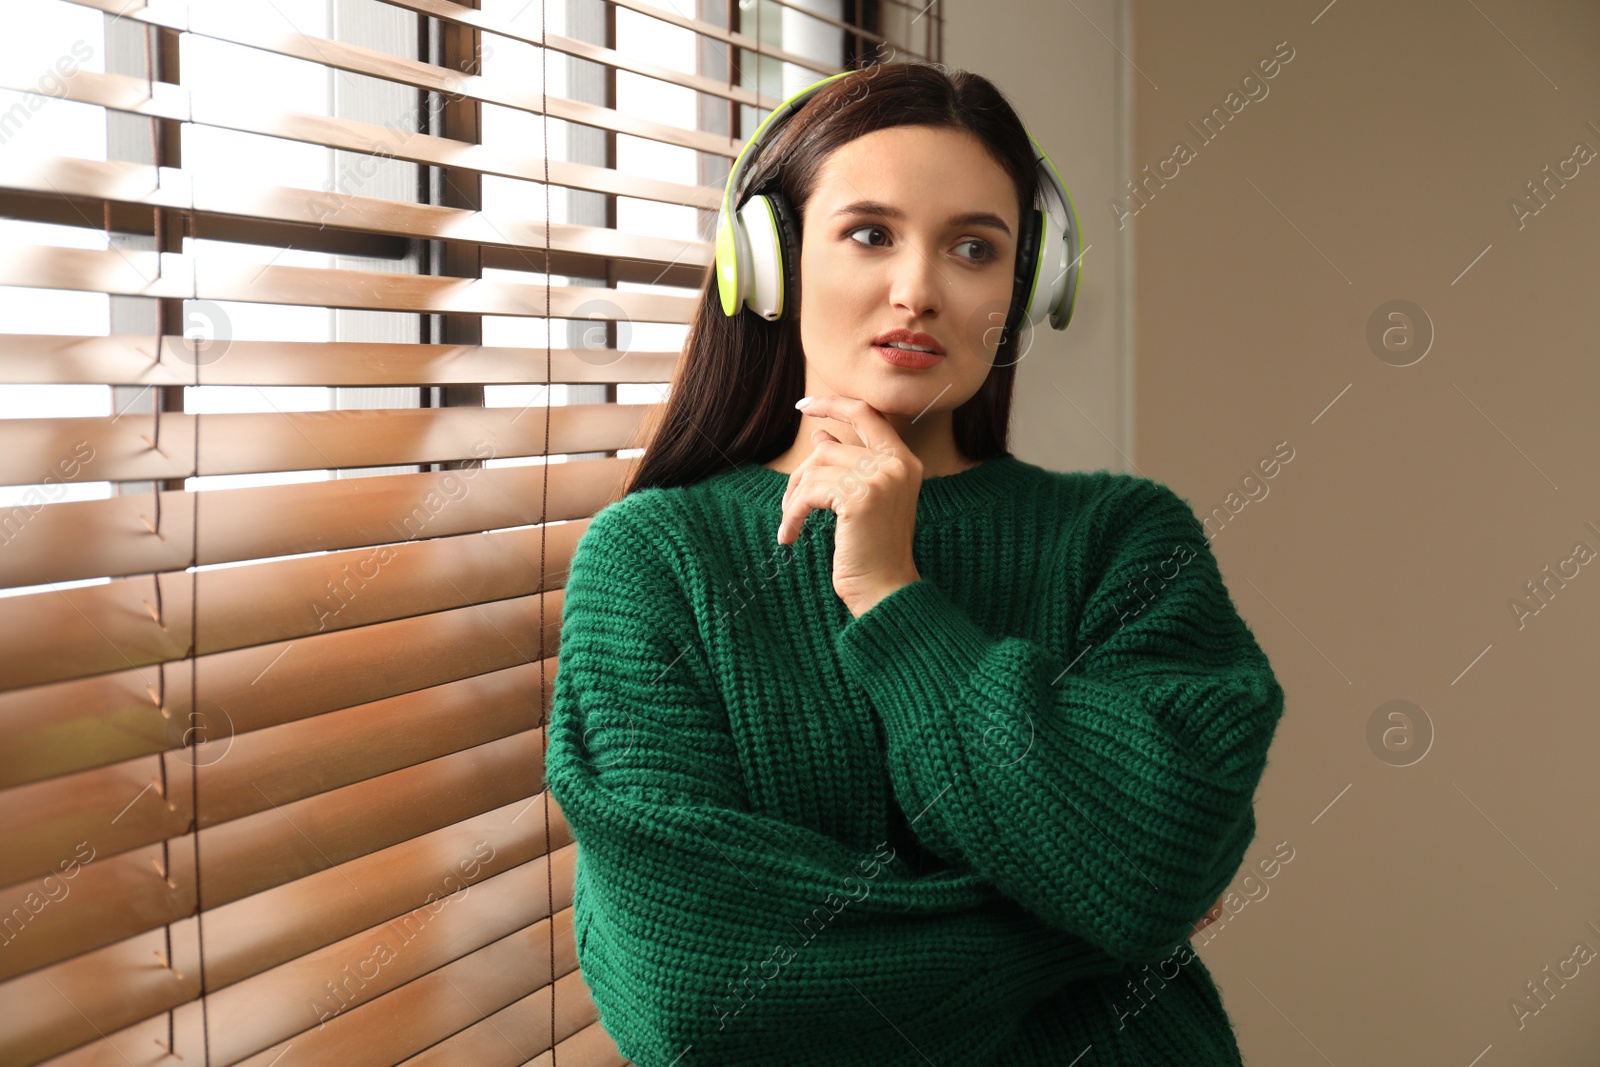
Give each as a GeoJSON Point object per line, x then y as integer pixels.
{"type": "Point", "coordinates": [1382, 562]}
{"type": "Point", "coordinates": [1066, 79]}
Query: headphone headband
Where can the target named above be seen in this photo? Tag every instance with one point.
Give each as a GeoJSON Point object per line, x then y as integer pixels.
{"type": "Point", "coordinates": [728, 255]}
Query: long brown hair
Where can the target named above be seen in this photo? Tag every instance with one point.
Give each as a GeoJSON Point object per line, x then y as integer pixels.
{"type": "Point", "coordinates": [733, 393]}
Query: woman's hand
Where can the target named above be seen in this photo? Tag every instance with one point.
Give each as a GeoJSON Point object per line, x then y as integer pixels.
{"type": "Point", "coordinates": [872, 488]}
{"type": "Point", "coordinates": [1210, 917]}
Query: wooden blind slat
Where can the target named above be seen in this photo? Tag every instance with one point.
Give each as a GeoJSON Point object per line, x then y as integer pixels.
{"type": "Point", "coordinates": [335, 670]}
{"type": "Point", "coordinates": [268, 603]}
{"type": "Point", "coordinates": [56, 1010]}
{"type": "Point", "coordinates": [127, 447]}
{"type": "Point", "coordinates": [733, 39]}
{"type": "Point", "coordinates": [453, 999]}
{"type": "Point", "coordinates": [276, 1004]}
{"type": "Point", "coordinates": [173, 276]}
{"type": "Point", "coordinates": [521, 1021]}
{"type": "Point", "coordinates": [91, 538]}
{"type": "Point", "coordinates": [79, 725]}
{"type": "Point", "coordinates": [109, 899]}
{"type": "Point", "coordinates": [407, 983]}
{"type": "Point", "coordinates": [110, 810]}
{"type": "Point", "coordinates": [56, 359]}
{"type": "Point", "coordinates": [505, 1037]}
{"type": "Point", "coordinates": [133, 183]}
{"type": "Point", "coordinates": [239, 27]}
{"type": "Point", "coordinates": [589, 1047]}
{"type": "Point", "coordinates": [134, 624]}
{"type": "Point", "coordinates": [608, 57]}
{"type": "Point", "coordinates": [119, 92]}
{"type": "Point", "coordinates": [302, 836]}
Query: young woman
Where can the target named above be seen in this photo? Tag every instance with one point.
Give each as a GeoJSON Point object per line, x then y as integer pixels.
{"type": "Point", "coordinates": [880, 745]}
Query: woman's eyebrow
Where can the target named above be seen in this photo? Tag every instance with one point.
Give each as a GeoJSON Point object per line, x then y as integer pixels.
{"type": "Point", "coordinates": [971, 218]}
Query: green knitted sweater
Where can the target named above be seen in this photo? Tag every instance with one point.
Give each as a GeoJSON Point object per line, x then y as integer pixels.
{"type": "Point", "coordinates": [973, 826]}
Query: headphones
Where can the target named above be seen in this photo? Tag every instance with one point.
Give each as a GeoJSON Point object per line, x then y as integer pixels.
{"type": "Point", "coordinates": [758, 246]}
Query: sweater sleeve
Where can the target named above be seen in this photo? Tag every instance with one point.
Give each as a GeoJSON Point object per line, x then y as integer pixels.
{"type": "Point", "coordinates": [708, 931]}
{"type": "Point", "coordinates": [1106, 787]}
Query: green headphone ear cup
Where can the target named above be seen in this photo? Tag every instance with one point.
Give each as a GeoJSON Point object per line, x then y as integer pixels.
{"type": "Point", "coordinates": [727, 264]}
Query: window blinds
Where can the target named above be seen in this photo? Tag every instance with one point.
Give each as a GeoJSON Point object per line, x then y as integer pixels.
{"type": "Point", "coordinates": [327, 325]}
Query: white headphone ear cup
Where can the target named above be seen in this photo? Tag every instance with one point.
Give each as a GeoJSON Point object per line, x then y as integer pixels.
{"type": "Point", "coordinates": [1050, 284]}
{"type": "Point", "coordinates": [1061, 254]}
{"type": "Point", "coordinates": [761, 266]}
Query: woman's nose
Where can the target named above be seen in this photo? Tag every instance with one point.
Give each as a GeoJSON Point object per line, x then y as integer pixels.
{"type": "Point", "coordinates": [918, 282]}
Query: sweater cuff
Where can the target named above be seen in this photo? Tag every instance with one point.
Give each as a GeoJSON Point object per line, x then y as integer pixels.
{"type": "Point", "coordinates": [912, 651]}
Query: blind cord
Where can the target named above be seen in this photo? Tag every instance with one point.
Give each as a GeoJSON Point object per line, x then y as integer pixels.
{"type": "Point", "coordinates": [544, 518]}
{"type": "Point", "coordinates": [194, 661]}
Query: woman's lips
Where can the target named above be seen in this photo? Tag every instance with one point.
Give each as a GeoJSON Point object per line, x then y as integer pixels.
{"type": "Point", "coordinates": [902, 357]}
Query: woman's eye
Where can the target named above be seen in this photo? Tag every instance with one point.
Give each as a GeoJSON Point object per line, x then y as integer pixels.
{"type": "Point", "coordinates": [986, 250]}
{"type": "Point", "coordinates": [858, 229]}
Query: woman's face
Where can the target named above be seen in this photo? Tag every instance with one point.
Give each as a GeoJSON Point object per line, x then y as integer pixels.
{"type": "Point", "coordinates": [910, 227]}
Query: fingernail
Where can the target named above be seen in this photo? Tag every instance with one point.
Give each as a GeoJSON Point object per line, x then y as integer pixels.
{"type": "Point", "coordinates": [803, 401]}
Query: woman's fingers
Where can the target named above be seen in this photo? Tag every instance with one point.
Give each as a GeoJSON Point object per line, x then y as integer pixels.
{"type": "Point", "coordinates": [797, 504]}
{"type": "Point", "coordinates": [871, 428]}
{"type": "Point", "coordinates": [1210, 917]}
{"type": "Point", "coordinates": [822, 439]}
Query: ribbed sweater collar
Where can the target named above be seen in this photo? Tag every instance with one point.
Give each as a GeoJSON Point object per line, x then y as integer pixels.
{"type": "Point", "coordinates": [940, 498]}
